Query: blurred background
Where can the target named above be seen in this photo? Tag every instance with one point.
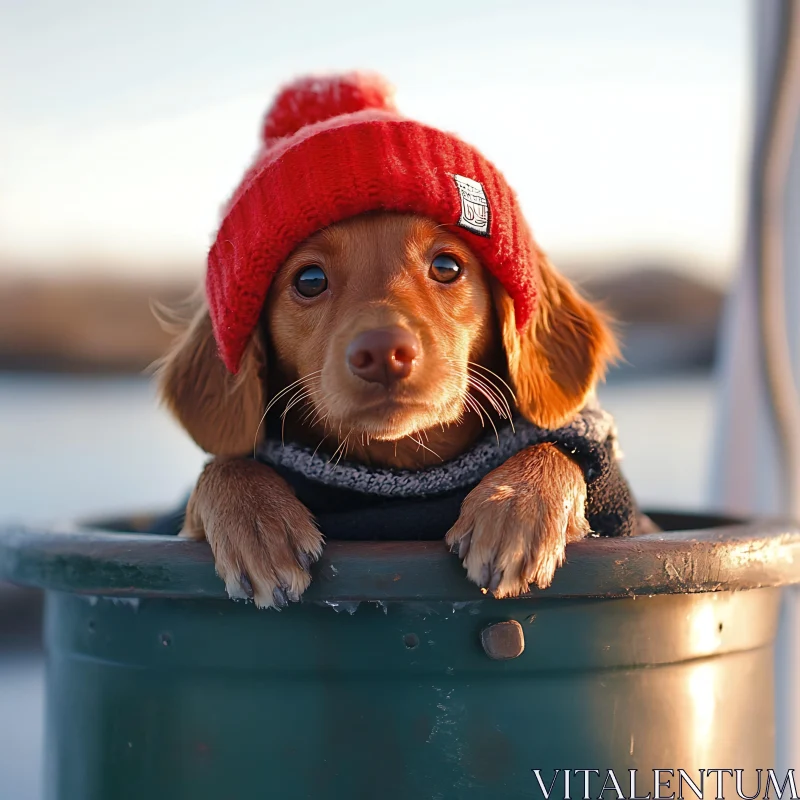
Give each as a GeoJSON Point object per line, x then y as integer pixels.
{"type": "Point", "coordinates": [624, 127]}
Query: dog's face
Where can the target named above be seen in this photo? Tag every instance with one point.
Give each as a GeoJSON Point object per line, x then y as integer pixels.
{"type": "Point", "coordinates": [380, 320]}
{"type": "Point", "coordinates": [386, 326]}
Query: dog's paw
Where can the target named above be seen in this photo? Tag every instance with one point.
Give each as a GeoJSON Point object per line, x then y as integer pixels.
{"type": "Point", "coordinates": [515, 524]}
{"type": "Point", "coordinates": [264, 554]}
{"type": "Point", "coordinates": [263, 538]}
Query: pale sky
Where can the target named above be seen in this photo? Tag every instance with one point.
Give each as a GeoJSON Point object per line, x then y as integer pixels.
{"type": "Point", "coordinates": [622, 124]}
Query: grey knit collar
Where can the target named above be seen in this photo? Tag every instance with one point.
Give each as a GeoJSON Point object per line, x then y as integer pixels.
{"type": "Point", "coordinates": [464, 471]}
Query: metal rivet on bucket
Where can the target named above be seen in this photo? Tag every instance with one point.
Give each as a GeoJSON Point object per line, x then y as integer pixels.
{"type": "Point", "coordinates": [503, 640]}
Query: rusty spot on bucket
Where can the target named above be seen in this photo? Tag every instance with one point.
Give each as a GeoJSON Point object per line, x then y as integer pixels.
{"type": "Point", "coordinates": [503, 640]}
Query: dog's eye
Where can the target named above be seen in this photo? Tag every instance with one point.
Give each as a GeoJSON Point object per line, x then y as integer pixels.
{"type": "Point", "coordinates": [445, 268]}
{"type": "Point", "coordinates": [311, 281]}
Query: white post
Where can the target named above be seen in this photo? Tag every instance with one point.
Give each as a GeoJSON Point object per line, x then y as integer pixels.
{"type": "Point", "coordinates": [756, 464]}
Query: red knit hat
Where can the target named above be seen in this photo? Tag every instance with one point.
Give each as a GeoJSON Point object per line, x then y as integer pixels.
{"type": "Point", "coordinates": [337, 147]}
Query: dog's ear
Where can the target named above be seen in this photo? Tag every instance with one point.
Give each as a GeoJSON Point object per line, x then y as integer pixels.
{"type": "Point", "coordinates": [555, 362]}
{"type": "Point", "coordinates": [220, 411]}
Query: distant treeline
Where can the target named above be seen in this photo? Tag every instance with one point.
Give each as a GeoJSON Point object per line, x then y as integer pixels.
{"type": "Point", "coordinates": [667, 320]}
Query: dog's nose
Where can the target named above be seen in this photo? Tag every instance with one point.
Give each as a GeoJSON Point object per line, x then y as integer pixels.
{"type": "Point", "coordinates": [383, 355]}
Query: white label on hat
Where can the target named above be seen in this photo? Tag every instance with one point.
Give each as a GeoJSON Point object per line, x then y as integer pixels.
{"type": "Point", "coordinates": [474, 206]}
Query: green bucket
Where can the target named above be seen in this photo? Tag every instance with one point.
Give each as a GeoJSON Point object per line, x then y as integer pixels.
{"type": "Point", "coordinates": [395, 678]}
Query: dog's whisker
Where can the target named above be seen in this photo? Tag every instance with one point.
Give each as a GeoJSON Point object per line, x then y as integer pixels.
{"type": "Point", "coordinates": [301, 396]}
{"type": "Point", "coordinates": [490, 378]}
{"type": "Point", "coordinates": [333, 454]}
{"type": "Point", "coordinates": [500, 402]}
{"type": "Point", "coordinates": [420, 444]}
{"type": "Point", "coordinates": [488, 394]}
{"type": "Point", "coordinates": [488, 416]}
{"type": "Point", "coordinates": [493, 374]}
{"type": "Point", "coordinates": [324, 423]}
{"type": "Point", "coordinates": [484, 380]}
{"type": "Point", "coordinates": [486, 383]}
{"type": "Point", "coordinates": [470, 408]}
{"type": "Point", "coordinates": [312, 411]}
{"type": "Point", "coordinates": [483, 384]}
{"type": "Point", "coordinates": [276, 398]}
{"type": "Point", "coordinates": [319, 445]}
{"type": "Point", "coordinates": [286, 389]}
{"type": "Point", "coordinates": [320, 418]}
{"type": "Point", "coordinates": [341, 450]}
{"type": "Point", "coordinates": [346, 446]}
{"type": "Point", "coordinates": [475, 409]}
{"type": "Point", "coordinates": [501, 408]}
{"type": "Point", "coordinates": [478, 407]}
{"type": "Point", "coordinates": [471, 402]}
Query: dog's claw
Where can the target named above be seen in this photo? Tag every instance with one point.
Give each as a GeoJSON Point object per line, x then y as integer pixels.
{"type": "Point", "coordinates": [484, 577]}
{"type": "Point", "coordinates": [463, 546]}
{"type": "Point", "coordinates": [305, 560]}
{"type": "Point", "coordinates": [247, 586]}
{"type": "Point", "coordinates": [495, 582]}
{"type": "Point", "coordinates": [279, 597]}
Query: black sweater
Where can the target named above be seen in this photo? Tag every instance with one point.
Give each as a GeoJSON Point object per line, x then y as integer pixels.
{"type": "Point", "coordinates": [353, 501]}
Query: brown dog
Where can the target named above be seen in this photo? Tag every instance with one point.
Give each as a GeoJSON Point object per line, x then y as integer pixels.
{"type": "Point", "coordinates": [389, 345]}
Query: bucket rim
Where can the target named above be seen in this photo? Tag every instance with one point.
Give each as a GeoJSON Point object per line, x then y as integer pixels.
{"type": "Point", "coordinates": [85, 559]}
